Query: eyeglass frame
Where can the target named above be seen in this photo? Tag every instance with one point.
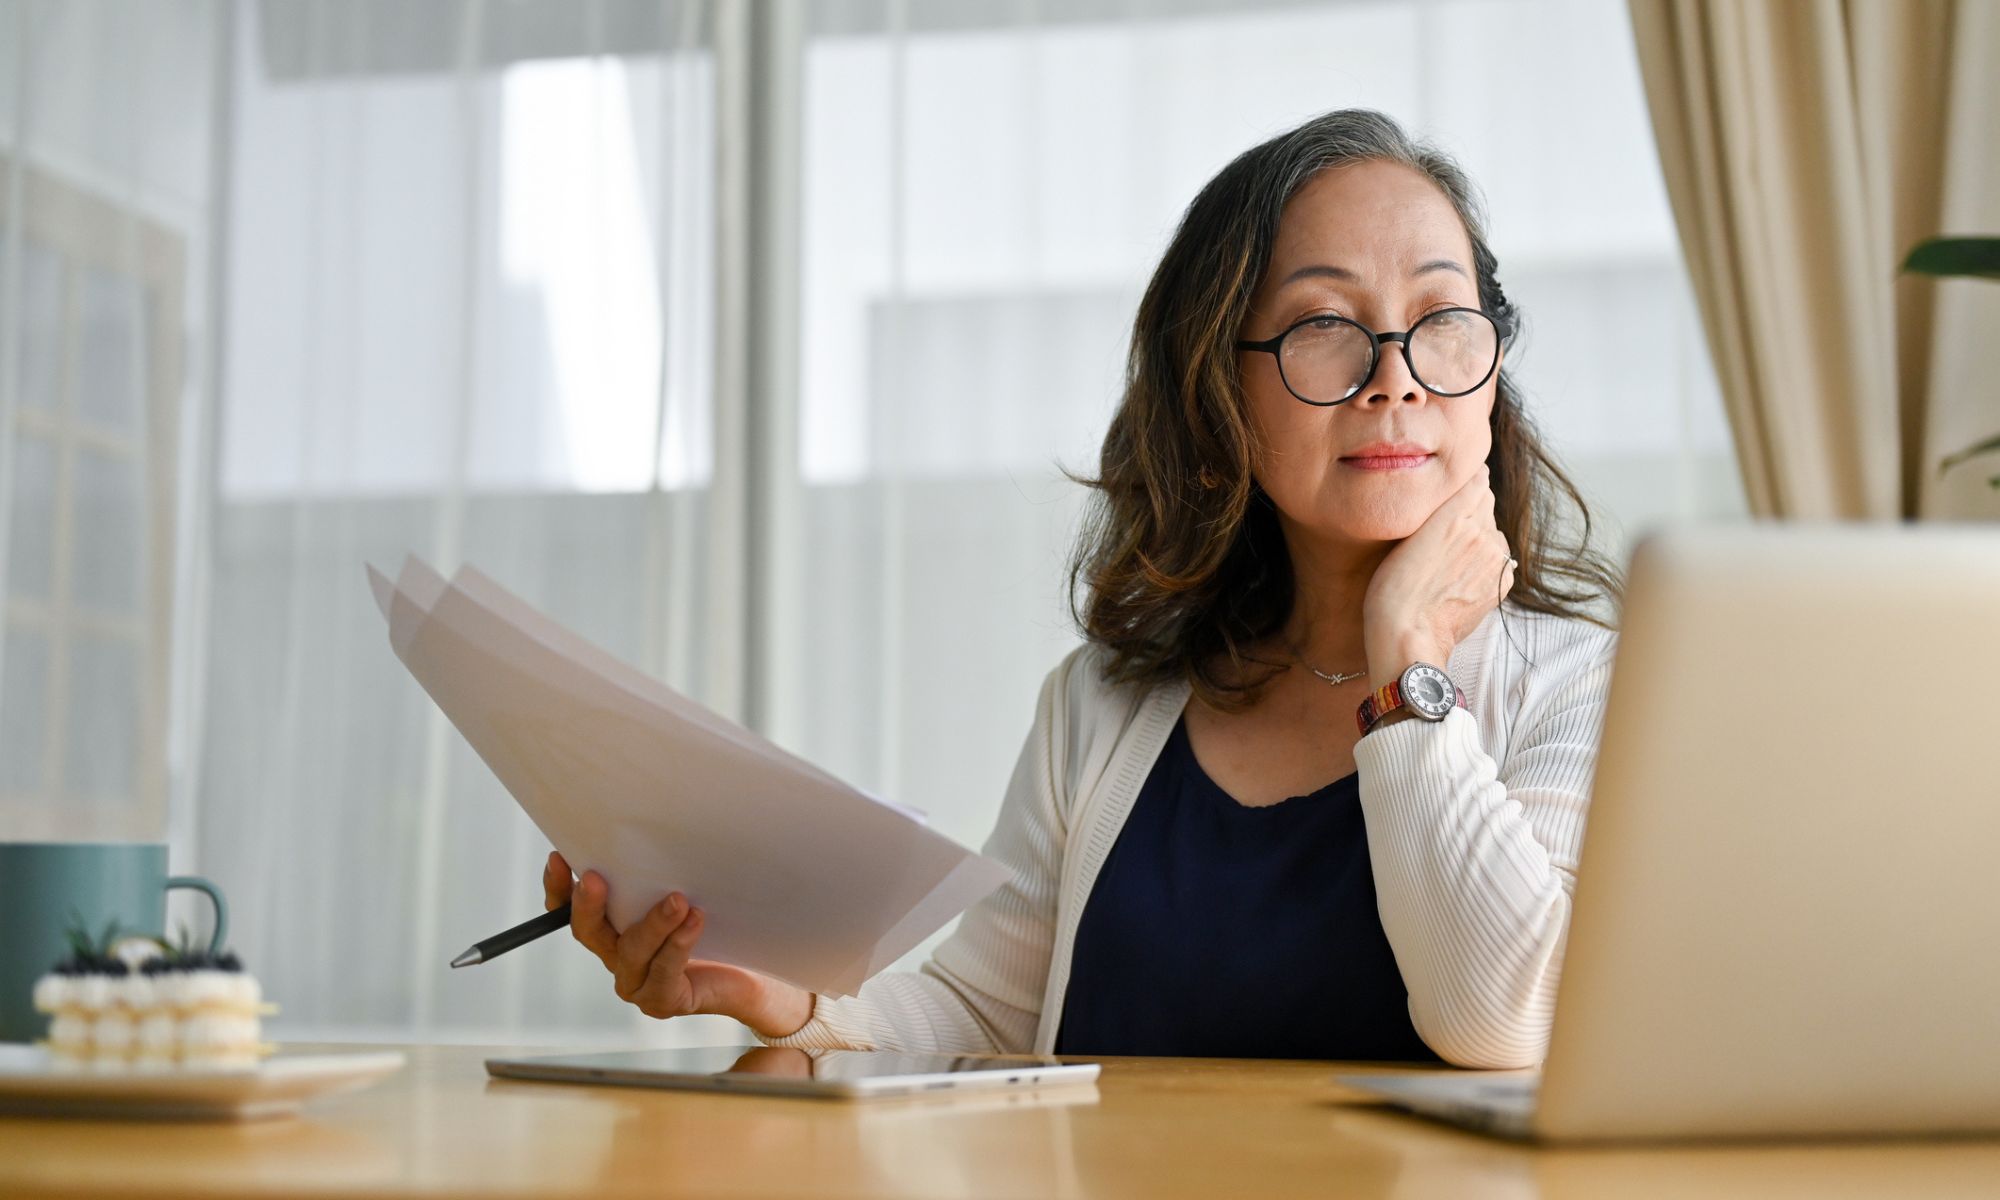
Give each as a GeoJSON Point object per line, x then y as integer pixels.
{"type": "Point", "coordinates": [1273, 345]}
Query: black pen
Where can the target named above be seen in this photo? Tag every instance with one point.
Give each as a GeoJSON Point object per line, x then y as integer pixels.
{"type": "Point", "coordinates": [520, 935]}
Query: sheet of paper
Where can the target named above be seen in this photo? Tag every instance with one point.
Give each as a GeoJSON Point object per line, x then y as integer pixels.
{"type": "Point", "coordinates": [424, 586]}
{"type": "Point", "coordinates": [802, 876]}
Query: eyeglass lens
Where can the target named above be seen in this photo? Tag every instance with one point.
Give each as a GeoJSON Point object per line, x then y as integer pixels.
{"type": "Point", "coordinates": [1450, 353]}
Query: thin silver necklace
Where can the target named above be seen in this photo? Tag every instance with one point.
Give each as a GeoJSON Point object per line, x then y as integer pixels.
{"type": "Point", "coordinates": [1336, 678]}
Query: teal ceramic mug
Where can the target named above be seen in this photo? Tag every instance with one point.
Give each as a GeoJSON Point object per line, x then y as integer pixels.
{"type": "Point", "coordinates": [46, 888]}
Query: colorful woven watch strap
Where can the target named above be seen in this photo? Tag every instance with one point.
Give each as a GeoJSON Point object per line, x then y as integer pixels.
{"type": "Point", "coordinates": [1387, 699]}
{"type": "Point", "coordinates": [1379, 701]}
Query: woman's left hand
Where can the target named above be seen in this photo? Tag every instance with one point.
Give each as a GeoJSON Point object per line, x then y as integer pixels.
{"type": "Point", "coordinates": [1437, 585]}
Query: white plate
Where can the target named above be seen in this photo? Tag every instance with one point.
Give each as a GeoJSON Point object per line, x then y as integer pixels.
{"type": "Point", "coordinates": [31, 1084]}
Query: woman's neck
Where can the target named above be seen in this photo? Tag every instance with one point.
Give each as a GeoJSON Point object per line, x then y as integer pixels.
{"type": "Point", "coordinates": [1329, 582]}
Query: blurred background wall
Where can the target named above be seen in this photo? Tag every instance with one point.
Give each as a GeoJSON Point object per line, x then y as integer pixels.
{"type": "Point", "coordinates": [747, 342]}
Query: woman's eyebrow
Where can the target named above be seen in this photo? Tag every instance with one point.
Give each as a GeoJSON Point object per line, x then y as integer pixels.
{"type": "Point", "coordinates": [1342, 273]}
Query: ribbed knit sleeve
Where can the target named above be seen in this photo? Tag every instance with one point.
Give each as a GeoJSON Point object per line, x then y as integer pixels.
{"type": "Point", "coordinates": [981, 990]}
{"type": "Point", "coordinates": [1475, 860]}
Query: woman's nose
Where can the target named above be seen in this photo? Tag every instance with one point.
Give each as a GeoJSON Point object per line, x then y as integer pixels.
{"type": "Point", "coordinates": [1392, 379]}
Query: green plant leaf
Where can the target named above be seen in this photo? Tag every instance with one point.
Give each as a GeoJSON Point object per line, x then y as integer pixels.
{"type": "Point", "coordinates": [77, 934]}
{"type": "Point", "coordinates": [1970, 257]}
{"type": "Point", "coordinates": [1970, 452]}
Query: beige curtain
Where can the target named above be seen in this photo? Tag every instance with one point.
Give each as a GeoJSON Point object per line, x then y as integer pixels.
{"type": "Point", "coordinates": [1807, 145]}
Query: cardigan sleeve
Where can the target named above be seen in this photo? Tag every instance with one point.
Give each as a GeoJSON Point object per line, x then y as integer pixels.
{"type": "Point", "coordinates": [981, 990]}
{"type": "Point", "coordinates": [1475, 863]}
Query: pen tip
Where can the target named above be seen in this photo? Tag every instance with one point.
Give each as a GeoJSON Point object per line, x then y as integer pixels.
{"type": "Point", "coordinates": [469, 958]}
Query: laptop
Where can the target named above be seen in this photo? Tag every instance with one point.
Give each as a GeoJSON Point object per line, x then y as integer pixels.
{"type": "Point", "coordinates": [1787, 910]}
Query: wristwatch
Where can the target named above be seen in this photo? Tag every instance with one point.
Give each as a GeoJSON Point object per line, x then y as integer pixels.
{"type": "Point", "coordinates": [1423, 689]}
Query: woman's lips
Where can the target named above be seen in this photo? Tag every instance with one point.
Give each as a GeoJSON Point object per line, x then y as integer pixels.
{"type": "Point", "coordinates": [1387, 462]}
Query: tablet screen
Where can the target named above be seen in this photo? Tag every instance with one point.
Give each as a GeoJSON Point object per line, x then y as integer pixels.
{"type": "Point", "coordinates": [784, 1068]}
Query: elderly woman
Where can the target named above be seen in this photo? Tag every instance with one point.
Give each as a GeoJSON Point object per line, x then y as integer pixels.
{"type": "Point", "coordinates": [1314, 786]}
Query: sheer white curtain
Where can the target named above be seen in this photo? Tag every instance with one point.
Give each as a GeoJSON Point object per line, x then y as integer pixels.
{"type": "Point", "coordinates": [106, 125]}
{"type": "Point", "coordinates": [459, 261]}
{"type": "Point", "coordinates": [468, 315]}
{"type": "Point", "coordinates": [747, 340]}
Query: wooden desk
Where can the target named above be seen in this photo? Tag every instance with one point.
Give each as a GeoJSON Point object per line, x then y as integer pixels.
{"type": "Point", "coordinates": [1150, 1128]}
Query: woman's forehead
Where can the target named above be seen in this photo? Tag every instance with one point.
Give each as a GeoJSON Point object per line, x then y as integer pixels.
{"type": "Point", "coordinates": [1368, 220]}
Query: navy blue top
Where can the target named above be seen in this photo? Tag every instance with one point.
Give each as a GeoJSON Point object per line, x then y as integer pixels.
{"type": "Point", "coordinates": [1216, 929]}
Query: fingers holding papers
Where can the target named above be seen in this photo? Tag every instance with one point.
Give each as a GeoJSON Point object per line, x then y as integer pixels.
{"type": "Point", "coordinates": [653, 963]}
{"type": "Point", "coordinates": [667, 990]}
{"type": "Point", "coordinates": [588, 922]}
{"type": "Point", "coordinates": [649, 959]}
{"type": "Point", "coordinates": [556, 882]}
{"type": "Point", "coordinates": [638, 944]}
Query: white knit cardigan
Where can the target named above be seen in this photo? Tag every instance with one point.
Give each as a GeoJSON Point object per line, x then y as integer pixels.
{"type": "Point", "coordinates": [1474, 824]}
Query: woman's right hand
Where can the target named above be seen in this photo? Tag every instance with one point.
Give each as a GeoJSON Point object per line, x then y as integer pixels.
{"type": "Point", "coordinates": [653, 964]}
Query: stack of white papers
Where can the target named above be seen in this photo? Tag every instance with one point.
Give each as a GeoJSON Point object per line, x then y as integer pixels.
{"type": "Point", "coordinates": [800, 875]}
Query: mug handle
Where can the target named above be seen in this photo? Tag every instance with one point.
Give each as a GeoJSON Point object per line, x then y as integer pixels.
{"type": "Point", "coordinates": [214, 895]}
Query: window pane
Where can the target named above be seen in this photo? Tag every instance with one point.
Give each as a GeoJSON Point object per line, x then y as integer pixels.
{"type": "Point", "coordinates": [110, 350]}
{"type": "Point", "coordinates": [24, 706]}
{"type": "Point", "coordinates": [41, 326]}
{"type": "Point", "coordinates": [110, 547]}
{"type": "Point", "coordinates": [106, 678]}
{"type": "Point", "coordinates": [441, 280]}
{"type": "Point", "coordinates": [31, 528]}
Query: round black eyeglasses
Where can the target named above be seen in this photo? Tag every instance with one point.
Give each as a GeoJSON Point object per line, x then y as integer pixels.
{"type": "Point", "coordinates": [1327, 360]}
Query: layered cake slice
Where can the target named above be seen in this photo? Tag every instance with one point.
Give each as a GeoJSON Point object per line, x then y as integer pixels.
{"type": "Point", "coordinates": [137, 1003]}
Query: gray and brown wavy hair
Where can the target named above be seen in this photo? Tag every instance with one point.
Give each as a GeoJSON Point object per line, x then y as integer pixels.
{"type": "Point", "coordinates": [1181, 565]}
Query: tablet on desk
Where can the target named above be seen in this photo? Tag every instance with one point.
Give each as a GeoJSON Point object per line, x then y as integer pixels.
{"type": "Point", "coordinates": [781, 1071]}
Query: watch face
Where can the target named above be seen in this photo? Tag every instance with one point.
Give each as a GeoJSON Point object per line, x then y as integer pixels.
{"type": "Point", "coordinates": [1427, 691]}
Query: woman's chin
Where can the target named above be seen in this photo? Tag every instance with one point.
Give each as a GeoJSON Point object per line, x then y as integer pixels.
{"type": "Point", "coordinates": [1384, 526]}
{"type": "Point", "coordinates": [1379, 533]}
{"type": "Point", "coordinates": [1352, 520]}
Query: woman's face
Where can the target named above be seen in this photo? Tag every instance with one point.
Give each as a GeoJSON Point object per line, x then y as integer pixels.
{"type": "Point", "coordinates": [1378, 243]}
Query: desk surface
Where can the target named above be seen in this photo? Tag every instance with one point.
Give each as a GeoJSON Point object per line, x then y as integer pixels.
{"type": "Point", "coordinates": [1150, 1127]}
